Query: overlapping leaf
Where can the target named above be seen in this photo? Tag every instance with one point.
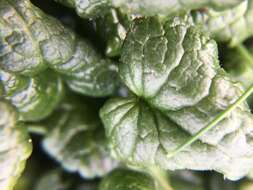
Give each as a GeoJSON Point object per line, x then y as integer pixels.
{"type": "Point", "coordinates": [233, 25]}
{"type": "Point", "coordinates": [15, 147]}
{"type": "Point", "coordinates": [174, 71]}
{"type": "Point", "coordinates": [34, 97]}
{"type": "Point", "coordinates": [93, 8]}
{"type": "Point", "coordinates": [76, 139]}
{"type": "Point", "coordinates": [32, 41]}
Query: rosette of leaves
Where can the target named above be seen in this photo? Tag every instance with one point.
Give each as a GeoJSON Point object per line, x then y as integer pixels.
{"type": "Point", "coordinates": [94, 8]}
{"type": "Point", "coordinates": [32, 41]}
{"type": "Point", "coordinates": [15, 146]}
{"type": "Point", "coordinates": [75, 138]}
{"type": "Point", "coordinates": [179, 88]}
{"type": "Point", "coordinates": [233, 25]}
{"type": "Point", "coordinates": [34, 97]}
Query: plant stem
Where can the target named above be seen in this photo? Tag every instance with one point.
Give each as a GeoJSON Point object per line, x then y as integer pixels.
{"type": "Point", "coordinates": [213, 123]}
{"type": "Point", "coordinates": [245, 54]}
{"type": "Point", "coordinates": [161, 177]}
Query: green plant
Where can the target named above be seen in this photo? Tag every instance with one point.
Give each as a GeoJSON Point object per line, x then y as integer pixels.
{"type": "Point", "coordinates": [136, 95]}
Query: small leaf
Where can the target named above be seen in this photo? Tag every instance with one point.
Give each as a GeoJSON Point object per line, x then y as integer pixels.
{"type": "Point", "coordinates": [34, 97]}
{"type": "Point", "coordinates": [15, 147]}
{"type": "Point", "coordinates": [75, 138]}
{"type": "Point", "coordinates": [31, 41]}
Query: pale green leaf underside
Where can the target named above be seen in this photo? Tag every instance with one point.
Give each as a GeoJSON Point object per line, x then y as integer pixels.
{"type": "Point", "coordinates": [233, 25]}
{"type": "Point", "coordinates": [174, 69]}
{"type": "Point", "coordinates": [34, 97]}
{"type": "Point", "coordinates": [32, 41]}
{"type": "Point", "coordinates": [93, 8]}
{"type": "Point", "coordinates": [15, 147]}
{"type": "Point", "coordinates": [75, 138]}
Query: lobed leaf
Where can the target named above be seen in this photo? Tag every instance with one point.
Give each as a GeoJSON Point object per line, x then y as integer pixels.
{"type": "Point", "coordinates": [32, 41]}
{"type": "Point", "coordinates": [75, 138]}
{"type": "Point", "coordinates": [173, 70]}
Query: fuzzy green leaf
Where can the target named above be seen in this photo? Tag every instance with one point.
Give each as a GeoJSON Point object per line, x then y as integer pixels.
{"type": "Point", "coordinates": [34, 97]}
{"type": "Point", "coordinates": [233, 25]}
{"type": "Point", "coordinates": [75, 138]}
{"type": "Point", "coordinates": [32, 41]}
{"type": "Point", "coordinates": [15, 147]}
{"type": "Point", "coordinates": [173, 69]}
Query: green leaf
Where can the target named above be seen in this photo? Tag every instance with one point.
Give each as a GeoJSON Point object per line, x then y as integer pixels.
{"type": "Point", "coordinates": [15, 147]}
{"type": "Point", "coordinates": [233, 25]}
{"type": "Point", "coordinates": [122, 179]}
{"type": "Point", "coordinates": [34, 97]}
{"type": "Point", "coordinates": [32, 41]}
{"type": "Point", "coordinates": [93, 8]}
{"type": "Point", "coordinates": [76, 139]}
{"type": "Point", "coordinates": [112, 27]}
{"type": "Point", "coordinates": [174, 71]}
